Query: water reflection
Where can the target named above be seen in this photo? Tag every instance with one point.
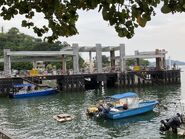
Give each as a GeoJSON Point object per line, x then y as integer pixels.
{"type": "Point", "coordinates": [170, 135]}
{"type": "Point", "coordinates": [122, 123]}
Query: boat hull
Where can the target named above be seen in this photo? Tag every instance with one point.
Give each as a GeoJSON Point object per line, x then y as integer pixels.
{"type": "Point", "coordinates": [142, 108]}
{"type": "Point", "coordinates": [35, 93]}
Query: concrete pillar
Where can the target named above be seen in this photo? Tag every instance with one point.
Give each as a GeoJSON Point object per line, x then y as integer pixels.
{"type": "Point", "coordinates": [7, 63]}
{"type": "Point", "coordinates": [112, 59]}
{"type": "Point", "coordinates": [137, 59]}
{"type": "Point", "coordinates": [75, 58]}
{"type": "Point", "coordinates": [169, 63]}
{"type": "Point", "coordinates": [63, 64]}
{"type": "Point", "coordinates": [164, 60]}
{"type": "Point", "coordinates": [122, 60]}
{"type": "Point", "coordinates": [34, 65]}
{"type": "Point", "coordinates": [158, 60]}
{"type": "Point", "coordinates": [90, 62]}
{"type": "Point", "coordinates": [99, 57]}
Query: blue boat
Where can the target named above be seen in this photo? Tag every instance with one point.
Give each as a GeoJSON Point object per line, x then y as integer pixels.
{"type": "Point", "coordinates": [30, 90]}
{"type": "Point", "coordinates": [121, 105]}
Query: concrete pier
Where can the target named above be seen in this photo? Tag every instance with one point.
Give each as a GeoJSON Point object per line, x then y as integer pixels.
{"type": "Point", "coordinates": [94, 81]}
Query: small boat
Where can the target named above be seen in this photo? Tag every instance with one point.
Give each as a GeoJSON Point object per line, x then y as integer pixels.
{"type": "Point", "coordinates": [30, 90]}
{"type": "Point", "coordinates": [63, 117]}
{"type": "Point", "coordinates": [120, 106]}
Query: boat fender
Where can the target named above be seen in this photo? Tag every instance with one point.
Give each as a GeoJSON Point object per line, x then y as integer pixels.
{"type": "Point", "coordinates": [106, 108]}
{"type": "Point", "coordinates": [102, 110]}
{"type": "Point", "coordinates": [92, 109]}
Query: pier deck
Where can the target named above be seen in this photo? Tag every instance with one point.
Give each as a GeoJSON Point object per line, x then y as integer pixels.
{"type": "Point", "coordinates": [93, 81]}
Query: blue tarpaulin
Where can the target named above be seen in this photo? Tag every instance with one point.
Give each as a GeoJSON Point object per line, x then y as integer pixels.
{"type": "Point", "coordinates": [124, 95]}
{"type": "Point", "coordinates": [22, 85]}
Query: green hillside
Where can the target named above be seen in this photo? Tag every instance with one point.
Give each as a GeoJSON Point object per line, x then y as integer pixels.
{"type": "Point", "coordinates": [17, 41]}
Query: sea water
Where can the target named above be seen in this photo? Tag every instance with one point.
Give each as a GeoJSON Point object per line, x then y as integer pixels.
{"type": "Point", "coordinates": [33, 118]}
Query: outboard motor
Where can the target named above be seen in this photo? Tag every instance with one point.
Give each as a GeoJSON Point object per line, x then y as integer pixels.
{"type": "Point", "coordinates": [102, 110]}
{"type": "Point", "coordinates": [172, 123]}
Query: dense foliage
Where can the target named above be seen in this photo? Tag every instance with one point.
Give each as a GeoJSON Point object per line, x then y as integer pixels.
{"type": "Point", "coordinates": [124, 15]}
{"type": "Point", "coordinates": [105, 61]}
{"type": "Point", "coordinates": [17, 41]}
{"type": "Point", "coordinates": [132, 62]}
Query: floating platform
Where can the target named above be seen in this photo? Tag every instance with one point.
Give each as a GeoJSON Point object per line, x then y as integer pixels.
{"type": "Point", "coordinates": [63, 117]}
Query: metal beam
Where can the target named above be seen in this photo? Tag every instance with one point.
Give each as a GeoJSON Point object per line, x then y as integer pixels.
{"type": "Point", "coordinates": [39, 53]}
{"type": "Point", "coordinates": [93, 48]}
{"type": "Point", "coordinates": [144, 56]}
{"type": "Point", "coordinates": [141, 56]}
{"type": "Point", "coordinates": [32, 59]}
{"type": "Point", "coordinates": [152, 52]}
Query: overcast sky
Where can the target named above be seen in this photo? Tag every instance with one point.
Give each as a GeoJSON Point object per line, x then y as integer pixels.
{"type": "Point", "coordinates": [162, 32]}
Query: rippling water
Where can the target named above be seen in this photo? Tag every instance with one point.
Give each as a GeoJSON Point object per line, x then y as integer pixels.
{"type": "Point", "coordinates": [32, 118]}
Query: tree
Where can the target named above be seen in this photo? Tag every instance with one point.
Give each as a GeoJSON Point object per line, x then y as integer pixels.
{"type": "Point", "coordinates": [22, 66]}
{"type": "Point", "coordinates": [131, 62]}
{"type": "Point", "coordinates": [105, 61]}
{"type": "Point", "coordinates": [124, 15]}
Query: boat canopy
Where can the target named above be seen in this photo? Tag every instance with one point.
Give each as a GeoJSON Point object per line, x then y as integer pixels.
{"type": "Point", "coordinates": [124, 95]}
{"type": "Point", "coordinates": [22, 85]}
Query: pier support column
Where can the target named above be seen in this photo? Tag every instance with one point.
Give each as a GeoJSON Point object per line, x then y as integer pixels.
{"type": "Point", "coordinates": [122, 59]}
{"type": "Point", "coordinates": [75, 58]}
{"type": "Point", "coordinates": [99, 57]}
{"type": "Point", "coordinates": [158, 60]}
{"type": "Point", "coordinates": [137, 59]}
{"type": "Point", "coordinates": [112, 59]}
{"type": "Point", "coordinates": [164, 59]}
{"type": "Point", "coordinates": [63, 64]}
{"type": "Point", "coordinates": [7, 63]}
{"type": "Point", "coordinates": [34, 65]}
{"type": "Point", "coordinates": [90, 62]}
